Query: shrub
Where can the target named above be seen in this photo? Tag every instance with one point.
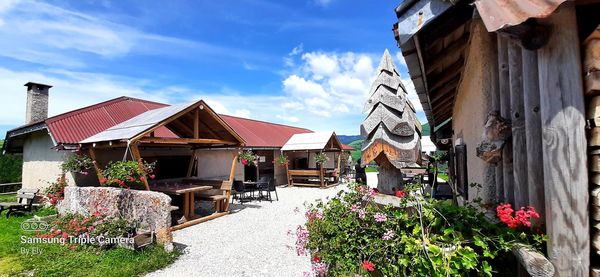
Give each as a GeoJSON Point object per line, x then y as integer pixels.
{"type": "Point", "coordinates": [55, 191]}
{"type": "Point", "coordinates": [77, 163]}
{"type": "Point", "coordinates": [11, 168]}
{"type": "Point", "coordinates": [321, 158]}
{"type": "Point", "coordinates": [127, 174]}
{"type": "Point", "coordinates": [350, 234]}
{"type": "Point", "coordinates": [95, 230]}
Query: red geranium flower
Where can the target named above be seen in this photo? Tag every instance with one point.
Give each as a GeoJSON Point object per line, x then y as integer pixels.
{"type": "Point", "coordinates": [400, 193]}
{"type": "Point", "coordinates": [316, 259]}
{"type": "Point", "coordinates": [369, 266]}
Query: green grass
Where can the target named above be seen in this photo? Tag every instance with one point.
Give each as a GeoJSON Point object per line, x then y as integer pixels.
{"type": "Point", "coordinates": [8, 197]}
{"type": "Point", "coordinates": [443, 176]}
{"type": "Point", "coordinates": [356, 153]}
{"type": "Point", "coordinates": [371, 169]}
{"type": "Point", "coordinates": [58, 260]}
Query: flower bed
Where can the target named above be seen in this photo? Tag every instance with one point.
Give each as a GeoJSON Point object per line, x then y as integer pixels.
{"type": "Point", "coordinates": [350, 234]}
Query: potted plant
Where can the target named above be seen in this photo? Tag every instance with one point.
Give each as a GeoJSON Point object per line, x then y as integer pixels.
{"type": "Point", "coordinates": [127, 174]}
{"type": "Point", "coordinates": [77, 164]}
{"type": "Point", "coordinates": [247, 157]}
{"type": "Point", "coordinates": [321, 158]}
{"type": "Point", "coordinates": [281, 160]}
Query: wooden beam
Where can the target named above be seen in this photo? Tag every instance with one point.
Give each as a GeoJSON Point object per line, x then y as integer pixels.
{"type": "Point", "coordinates": [135, 152]}
{"type": "Point", "coordinates": [438, 59]}
{"type": "Point", "coordinates": [492, 71]}
{"type": "Point", "coordinates": [96, 165]}
{"type": "Point", "coordinates": [504, 90]}
{"type": "Point", "coordinates": [191, 165]}
{"type": "Point", "coordinates": [517, 117]}
{"type": "Point", "coordinates": [231, 179]}
{"type": "Point", "coordinates": [443, 91]}
{"type": "Point", "coordinates": [198, 221]}
{"type": "Point", "coordinates": [564, 146]}
{"type": "Point", "coordinates": [287, 171]}
{"type": "Point", "coordinates": [533, 134]}
{"type": "Point", "coordinates": [447, 75]}
{"type": "Point", "coordinates": [536, 264]}
{"type": "Point", "coordinates": [185, 141]}
{"type": "Point", "coordinates": [165, 122]}
{"type": "Point", "coordinates": [197, 123]}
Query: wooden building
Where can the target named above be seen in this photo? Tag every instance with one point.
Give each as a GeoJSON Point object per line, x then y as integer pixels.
{"type": "Point", "coordinates": [505, 86]}
{"type": "Point", "coordinates": [302, 167]}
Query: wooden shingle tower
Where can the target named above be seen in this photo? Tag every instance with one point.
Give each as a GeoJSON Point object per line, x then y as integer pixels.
{"type": "Point", "coordinates": [391, 131]}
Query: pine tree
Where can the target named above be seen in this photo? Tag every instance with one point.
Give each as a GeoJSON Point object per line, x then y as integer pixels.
{"type": "Point", "coordinates": [391, 131]}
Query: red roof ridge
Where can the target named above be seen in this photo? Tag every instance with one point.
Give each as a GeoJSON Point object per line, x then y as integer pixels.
{"type": "Point", "coordinates": [96, 106]}
{"type": "Point", "coordinates": [267, 122]}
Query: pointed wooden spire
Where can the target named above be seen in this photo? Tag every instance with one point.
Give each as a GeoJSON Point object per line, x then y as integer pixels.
{"type": "Point", "coordinates": [391, 130]}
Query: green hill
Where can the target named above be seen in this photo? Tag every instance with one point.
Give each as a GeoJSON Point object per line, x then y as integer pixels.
{"type": "Point", "coordinates": [356, 153]}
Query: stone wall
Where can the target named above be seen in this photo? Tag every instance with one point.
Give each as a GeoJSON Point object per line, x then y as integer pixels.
{"type": "Point", "coordinates": [149, 209]}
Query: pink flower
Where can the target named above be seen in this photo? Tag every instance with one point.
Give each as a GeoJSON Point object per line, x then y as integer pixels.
{"type": "Point", "coordinates": [362, 213]}
{"type": "Point", "coordinates": [354, 208]}
{"type": "Point", "coordinates": [379, 217]}
{"type": "Point", "coordinates": [319, 268]}
{"type": "Point", "coordinates": [388, 235]}
{"type": "Point", "coordinates": [301, 240]}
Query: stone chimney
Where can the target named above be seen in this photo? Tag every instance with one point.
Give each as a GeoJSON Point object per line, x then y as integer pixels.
{"type": "Point", "coordinates": [37, 102]}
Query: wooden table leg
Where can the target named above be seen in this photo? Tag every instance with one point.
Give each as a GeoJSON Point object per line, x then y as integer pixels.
{"type": "Point", "coordinates": [186, 206]}
{"type": "Point", "coordinates": [192, 205]}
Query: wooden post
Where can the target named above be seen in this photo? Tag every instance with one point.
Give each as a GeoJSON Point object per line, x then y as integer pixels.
{"type": "Point", "coordinates": [339, 167]}
{"type": "Point", "coordinates": [503, 85]}
{"type": "Point", "coordinates": [225, 206]}
{"type": "Point", "coordinates": [495, 105]}
{"type": "Point", "coordinates": [197, 123]}
{"type": "Point", "coordinates": [321, 175]}
{"type": "Point", "coordinates": [96, 166]}
{"type": "Point", "coordinates": [533, 133]}
{"type": "Point", "coordinates": [517, 118]}
{"type": "Point", "coordinates": [135, 151]}
{"type": "Point", "coordinates": [287, 172]}
{"type": "Point", "coordinates": [564, 146]}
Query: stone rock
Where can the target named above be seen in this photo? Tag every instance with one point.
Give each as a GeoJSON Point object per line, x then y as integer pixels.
{"type": "Point", "coordinates": [149, 210]}
{"type": "Point", "coordinates": [496, 132]}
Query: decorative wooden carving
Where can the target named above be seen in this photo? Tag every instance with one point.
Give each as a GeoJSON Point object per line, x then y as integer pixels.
{"type": "Point", "coordinates": [495, 133]}
{"type": "Point", "coordinates": [391, 130]}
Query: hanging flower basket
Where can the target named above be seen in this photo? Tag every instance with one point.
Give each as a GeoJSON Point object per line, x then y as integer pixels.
{"type": "Point", "coordinates": [321, 158]}
{"type": "Point", "coordinates": [77, 163]}
{"type": "Point", "coordinates": [247, 157]}
{"type": "Point", "coordinates": [127, 174]}
{"type": "Point", "coordinates": [281, 160]}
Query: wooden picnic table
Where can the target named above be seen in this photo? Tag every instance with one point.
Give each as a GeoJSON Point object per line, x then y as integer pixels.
{"type": "Point", "coordinates": [188, 190]}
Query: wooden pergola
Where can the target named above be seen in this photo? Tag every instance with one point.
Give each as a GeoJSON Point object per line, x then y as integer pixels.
{"type": "Point", "coordinates": [314, 143]}
{"type": "Point", "coordinates": [188, 126]}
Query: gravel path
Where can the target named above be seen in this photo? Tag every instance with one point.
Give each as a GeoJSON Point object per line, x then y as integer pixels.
{"type": "Point", "coordinates": [251, 241]}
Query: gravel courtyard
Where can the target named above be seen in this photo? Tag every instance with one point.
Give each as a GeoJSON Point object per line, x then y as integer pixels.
{"type": "Point", "coordinates": [251, 241]}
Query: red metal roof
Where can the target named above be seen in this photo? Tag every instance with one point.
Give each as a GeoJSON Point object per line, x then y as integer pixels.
{"type": "Point", "coordinates": [347, 147]}
{"type": "Point", "coordinates": [501, 14]}
{"type": "Point", "coordinates": [77, 125]}
{"type": "Point", "coordinates": [262, 134]}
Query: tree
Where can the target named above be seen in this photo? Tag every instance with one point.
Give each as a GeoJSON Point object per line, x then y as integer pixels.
{"type": "Point", "coordinates": [391, 130]}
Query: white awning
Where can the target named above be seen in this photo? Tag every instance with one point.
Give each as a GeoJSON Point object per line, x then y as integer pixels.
{"type": "Point", "coordinates": [310, 141]}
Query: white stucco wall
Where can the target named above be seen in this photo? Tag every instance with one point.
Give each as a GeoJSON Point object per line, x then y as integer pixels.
{"type": "Point", "coordinates": [472, 105]}
{"type": "Point", "coordinates": [216, 164]}
{"type": "Point", "coordinates": [41, 164]}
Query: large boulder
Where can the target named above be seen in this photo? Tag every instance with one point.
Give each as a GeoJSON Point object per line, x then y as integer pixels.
{"type": "Point", "coordinates": [148, 209]}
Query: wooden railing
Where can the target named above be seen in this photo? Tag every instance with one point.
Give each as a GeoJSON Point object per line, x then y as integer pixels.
{"type": "Point", "coordinates": [9, 188]}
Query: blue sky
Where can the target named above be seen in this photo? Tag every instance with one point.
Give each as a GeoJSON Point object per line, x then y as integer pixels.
{"type": "Point", "coordinates": [305, 63]}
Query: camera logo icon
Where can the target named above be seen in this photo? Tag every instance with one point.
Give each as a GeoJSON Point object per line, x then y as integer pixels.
{"type": "Point", "coordinates": [34, 225]}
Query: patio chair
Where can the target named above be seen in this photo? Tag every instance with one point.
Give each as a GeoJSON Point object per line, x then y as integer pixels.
{"type": "Point", "coordinates": [262, 185]}
{"type": "Point", "coordinates": [239, 191]}
{"type": "Point", "coordinates": [268, 187]}
{"type": "Point", "coordinates": [24, 202]}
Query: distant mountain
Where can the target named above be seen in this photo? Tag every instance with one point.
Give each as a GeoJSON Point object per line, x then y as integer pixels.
{"type": "Point", "coordinates": [348, 139]}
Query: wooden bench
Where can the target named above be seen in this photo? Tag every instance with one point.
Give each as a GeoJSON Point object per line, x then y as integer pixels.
{"type": "Point", "coordinates": [24, 202]}
{"type": "Point", "coordinates": [219, 195]}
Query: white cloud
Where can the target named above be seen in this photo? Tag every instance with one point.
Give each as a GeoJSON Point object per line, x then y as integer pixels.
{"type": "Point", "coordinates": [46, 34]}
{"type": "Point", "coordinates": [292, 119]}
{"type": "Point", "coordinates": [293, 106]}
{"type": "Point", "coordinates": [301, 88]}
{"type": "Point", "coordinates": [321, 65]}
{"type": "Point", "coordinates": [297, 50]}
{"type": "Point", "coordinates": [242, 113]}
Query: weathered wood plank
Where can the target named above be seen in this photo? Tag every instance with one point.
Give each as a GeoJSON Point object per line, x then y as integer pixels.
{"type": "Point", "coordinates": [495, 106]}
{"type": "Point", "coordinates": [386, 96]}
{"type": "Point", "coordinates": [517, 117]}
{"type": "Point", "coordinates": [533, 261]}
{"type": "Point", "coordinates": [591, 59]}
{"type": "Point", "coordinates": [563, 123]}
{"type": "Point", "coordinates": [504, 88]}
{"type": "Point", "coordinates": [533, 133]}
{"type": "Point", "coordinates": [592, 83]}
